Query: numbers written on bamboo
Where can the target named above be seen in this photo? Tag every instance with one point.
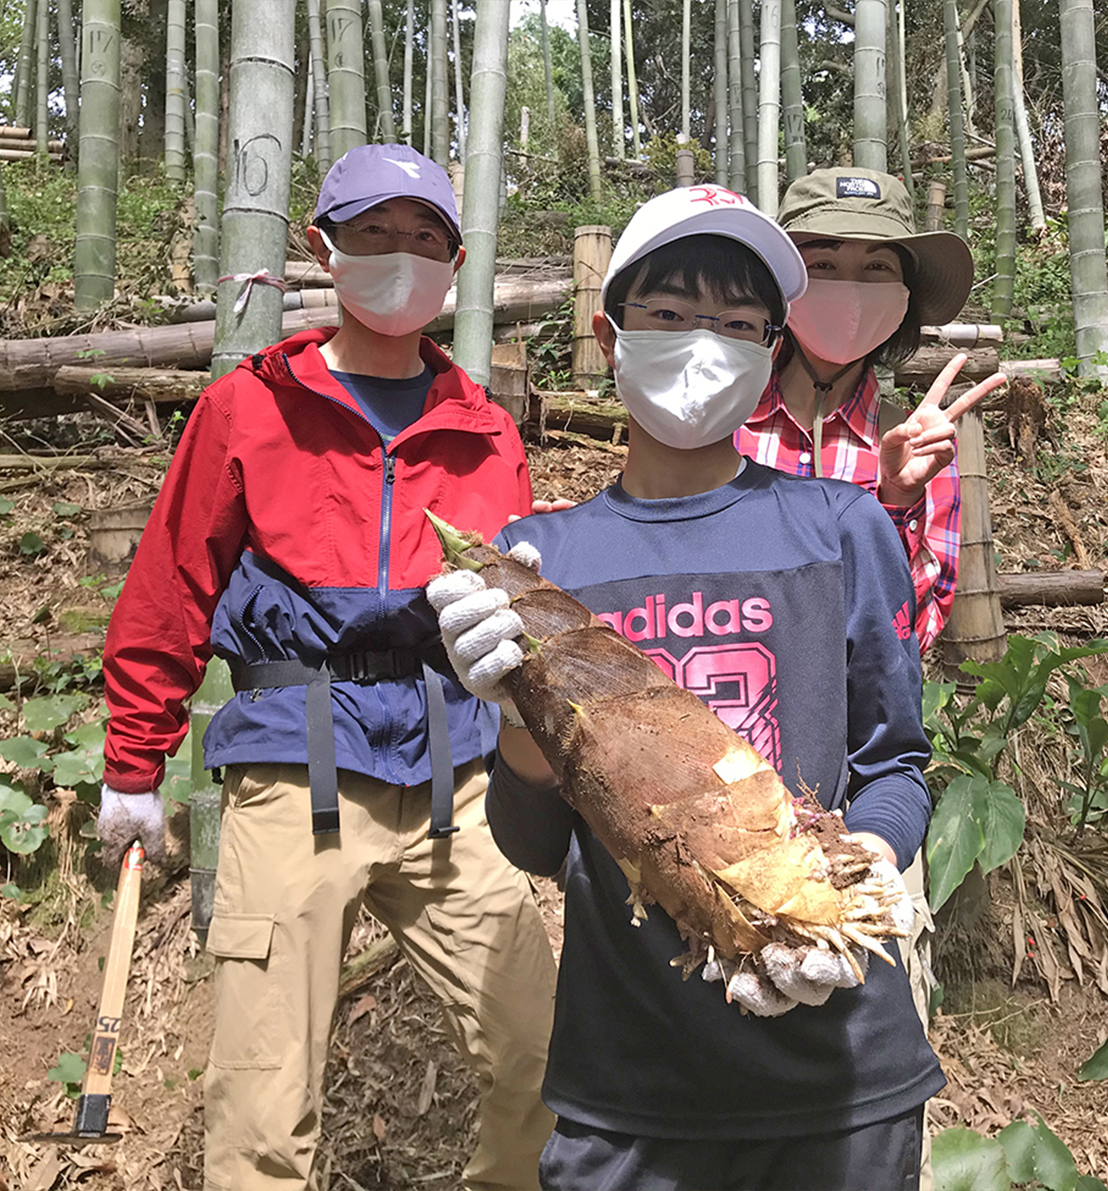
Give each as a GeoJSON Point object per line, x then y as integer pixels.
{"type": "Point", "coordinates": [251, 172]}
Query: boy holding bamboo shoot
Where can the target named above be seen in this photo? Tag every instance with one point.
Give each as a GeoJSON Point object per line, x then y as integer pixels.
{"type": "Point", "coordinates": [787, 608]}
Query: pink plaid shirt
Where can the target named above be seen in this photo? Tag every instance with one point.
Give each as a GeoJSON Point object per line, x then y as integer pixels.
{"type": "Point", "coordinates": [930, 529]}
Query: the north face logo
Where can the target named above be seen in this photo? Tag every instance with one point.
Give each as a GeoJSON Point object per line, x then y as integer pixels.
{"type": "Point", "coordinates": [902, 623]}
{"type": "Point", "coordinates": [857, 188]}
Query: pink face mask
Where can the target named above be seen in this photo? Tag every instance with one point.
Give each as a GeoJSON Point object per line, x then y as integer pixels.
{"type": "Point", "coordinates": [843, 321]}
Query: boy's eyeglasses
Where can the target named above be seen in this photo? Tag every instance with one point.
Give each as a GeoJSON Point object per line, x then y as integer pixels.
{"type": "Point", "coordinates": [669, 314]}
{"type": "Point", "coordinates": [375, 238]}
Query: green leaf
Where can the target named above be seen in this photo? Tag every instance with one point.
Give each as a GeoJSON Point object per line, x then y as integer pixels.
{"type": "Point", "coordinates": [1002, 817]}
{"type": "Point", "coordinates": [70, 1068]}
{"type": "Point", "coordinates": [11, 890]}
{"type": "Point", "coordinates": [954, 840]}
{"type": "Point", "coordinates": [82, 765]}
{"type": "Point", "coordinates": [6, 704]}
{"type": "Point", "coordinates": [1097, 1066]}
{"type": "Point", "coordinates": [1019, 1140]}
{"type": "Point", "coordinates": [6, 506]}
{"type": "Point", "coordinates": [965, 1161]}
{"type": "Point", "coordinates": [1054, 1164]}
{"type": "Point", "coordinates": [24, 751]}
{"type": "Point", "coordinates": [1089, 1182]}
{"type": "Point", "coordinates": [31, 544]}
{"type": "Point", "coordinates": [64, 509]}
{"type": "Point", "coordinates": [48, 713]}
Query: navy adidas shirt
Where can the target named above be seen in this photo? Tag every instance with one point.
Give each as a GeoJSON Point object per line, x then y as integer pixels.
{"type": "Point", "coordinates": [787, 606]}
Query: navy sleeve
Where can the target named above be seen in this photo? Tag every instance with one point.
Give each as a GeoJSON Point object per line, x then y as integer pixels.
{"type": "Point", "coordinates": [530, 824]}
{"type": "Point", "coordinates": [888, 748]}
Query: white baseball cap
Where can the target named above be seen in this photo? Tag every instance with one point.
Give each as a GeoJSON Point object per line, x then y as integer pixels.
{"type": "Point", "coordinates": [710, 211]}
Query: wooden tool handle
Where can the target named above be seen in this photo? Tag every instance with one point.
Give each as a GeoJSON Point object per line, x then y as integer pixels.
{"type": "Point", "coordinates": [105, 1037]}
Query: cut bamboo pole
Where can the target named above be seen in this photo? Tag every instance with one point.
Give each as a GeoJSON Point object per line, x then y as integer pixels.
{"type": "Point", "coordinates": [975, 629]}
{"type": "Point", "coordinates": [736, 146]}
{"type": "Point", "coordinates": [936, 204]}
{"type": "Point", "coordinates": [719, 93]}
{"type": "Point", "coordinates": [592, 253]}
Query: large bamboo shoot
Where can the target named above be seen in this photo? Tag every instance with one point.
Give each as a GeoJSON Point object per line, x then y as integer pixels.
{"type": "Point", "coordinates": [697, 820]}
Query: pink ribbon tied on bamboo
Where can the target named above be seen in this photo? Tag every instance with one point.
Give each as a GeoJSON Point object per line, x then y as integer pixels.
{"type": "Point", "coordinates": [261, 277]}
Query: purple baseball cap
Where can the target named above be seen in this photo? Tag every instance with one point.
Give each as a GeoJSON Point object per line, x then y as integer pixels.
{"type": "Point", "coordinates": [372, 174]}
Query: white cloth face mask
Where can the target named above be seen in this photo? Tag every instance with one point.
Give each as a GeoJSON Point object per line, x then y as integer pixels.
{"type": "Point", "coordinates": [843, 321]}
{"type": "Point", "coordinates": [392, 293]}
{"type": "Point", "coordinates": [688, 389]}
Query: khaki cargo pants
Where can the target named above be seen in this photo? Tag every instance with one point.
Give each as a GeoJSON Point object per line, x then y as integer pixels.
{"type": "Point", "coordinates": [285, 904]}
{"type": "Point", "coordinates": [915, 954]}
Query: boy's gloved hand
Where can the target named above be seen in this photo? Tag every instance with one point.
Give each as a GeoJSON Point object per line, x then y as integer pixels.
{"type": "Point", "coordinates": [903, 911]}
{"type": "Point", "coordinates": [478, 628]}
{"type": "Point", "coordinates": [125, 818]}
{"type": "Point", "coordinates": [785, 977]}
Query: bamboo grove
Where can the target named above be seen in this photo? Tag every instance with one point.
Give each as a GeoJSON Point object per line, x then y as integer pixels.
{"type": "Point", "coordinates": [227, 97]}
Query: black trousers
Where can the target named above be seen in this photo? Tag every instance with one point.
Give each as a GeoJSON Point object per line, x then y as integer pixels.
{"type": "Point", "coordinates": [881, 1157]}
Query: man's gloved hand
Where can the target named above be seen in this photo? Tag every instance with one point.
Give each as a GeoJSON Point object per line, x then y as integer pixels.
{"type": "Point", "coordinates": [125, 818]}
{"type": "Point", "coordinates": [783, 977]}
{"type": "Point", "coordinates": [478, 627]}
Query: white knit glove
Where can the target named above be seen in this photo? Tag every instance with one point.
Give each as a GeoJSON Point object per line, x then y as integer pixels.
{"type": "Point", "coordinates": [903, 911]}
{"type": "Point", "coordinates": [478, 627]}
{"type": "Point", "coordinates": [125, 818]}
{"type": "Point", "coordinates": [783, 977]}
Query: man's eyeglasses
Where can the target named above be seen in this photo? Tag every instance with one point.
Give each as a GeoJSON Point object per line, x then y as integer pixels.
{"type": "Point", "coordinates": [671, 314]}
{"type": "Point", "coordinates": [374, 237]}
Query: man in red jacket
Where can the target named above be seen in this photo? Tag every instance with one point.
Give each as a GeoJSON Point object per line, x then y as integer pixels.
{"type": "Point", "coordinates": [290, 538]}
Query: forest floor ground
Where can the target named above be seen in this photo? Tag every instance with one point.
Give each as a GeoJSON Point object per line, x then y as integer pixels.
{"type": "Point", "coordinates": [400, 1106]}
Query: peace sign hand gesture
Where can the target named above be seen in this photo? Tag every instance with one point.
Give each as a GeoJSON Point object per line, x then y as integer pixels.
{"type": "Point", "coordinates": [913, 453]}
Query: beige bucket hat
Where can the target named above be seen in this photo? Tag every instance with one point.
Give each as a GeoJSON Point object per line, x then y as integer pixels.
{"type": "Point", "coordinates": [856, 204]}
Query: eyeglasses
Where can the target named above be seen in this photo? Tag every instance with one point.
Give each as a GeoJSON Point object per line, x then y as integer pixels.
{"type": "Point", "coordinates": [375, 237]}
{"type": "Point", "coordinates": [744, 322]}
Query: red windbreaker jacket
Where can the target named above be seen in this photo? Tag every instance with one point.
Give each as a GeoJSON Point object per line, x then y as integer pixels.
{"type": "Point", "coordinates": [285, 529]}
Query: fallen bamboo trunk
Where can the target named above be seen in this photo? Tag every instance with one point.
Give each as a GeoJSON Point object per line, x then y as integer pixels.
{"type": "Point", "coordinates": [962, 335]}
{"type": "Point", "coordinates": [710, 833]}
{"type": "Point", "coordinates": [146, 384]}
{"type": "Point", "coordinates": [929, 361]}
{"type": "Point", "coordinates": [19, 134]}
{"type": "Point", "coordinates": [31, 143]}
{"type": "Point", "coordinates": [32, 363]}
{"type": "Point", "coordinates": [7, 154]}
{"type": "Point", "coordinates": [1053, 589]}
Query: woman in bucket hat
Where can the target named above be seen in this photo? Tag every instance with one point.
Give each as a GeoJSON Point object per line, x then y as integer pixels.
{"type": "Point", "coordinates": [873, 282]}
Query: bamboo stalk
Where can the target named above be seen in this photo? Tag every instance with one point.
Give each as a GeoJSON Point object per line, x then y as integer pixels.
{"type": "Point", "coordinates": [42, 110]}
{"type": "Point", "coordinates": [71, 83]}
{"type": "Point", "coordinates": [686, 68]}
{"type": "Point", "coordinates": [1088, 274]}
{"type": "Point", "coordinates": [322, 145]}
{"type": "Point", "coordinates": [24, 69]}
{"type": "Point", "coordinates": [345, 75]}
{"type": "Point", "coordinates": [98, 167]}
{"type": "Point", "coordinates": [473, 319]}
{"type": "Point", "coordinates": [175, 92]}
{"type": "Point", "coordinates": [386, 122]}
{"type": "Point", "coordinates": [957, 130]}
{"type": "Point", "coordinates": [589, 98]}
{"type": "Point", "coordinates": [1004, 284]}
{"type": "Point", "coordinates": [870, 113]}
{"type": "Point", "coordinates": [459, 92]}
{"type": "Point", "coordinates": [255, 207]}
{"type": "Point", "coordinates": [719, 92]}
{"type": "Point", "coordinates": [750, 96]}
{"type": "Point", "coordinates": [632, 80]}
{"type": "Point", "coordinates": [619, 142]}
{"type": "Point", "coordinates": [792, 97]}
{"type": "Point", "coordinates": [736, 149]}
{"type": "Point", "coordinates": [769, 106]}
{"type": "Point", "coordinates": [440, 101]}
{"type": "Point", "coordinates": [409, 54]}
{"type": "Point", "coordinates": [205, 168]}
